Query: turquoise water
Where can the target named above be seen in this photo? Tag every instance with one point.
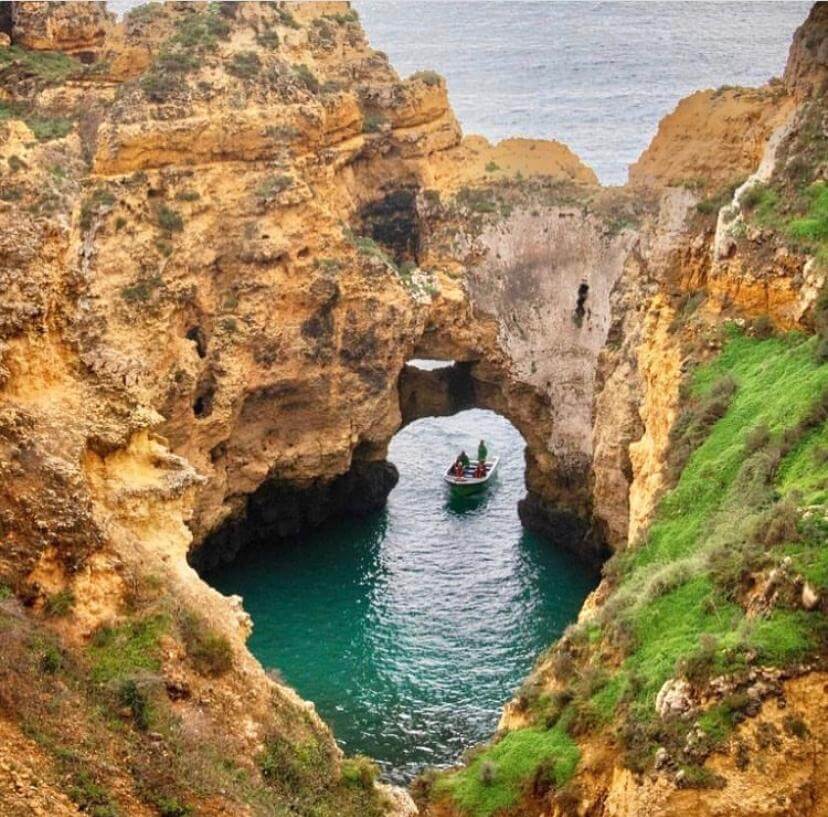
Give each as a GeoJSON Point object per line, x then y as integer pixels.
{"type": "Point", "coordinates": [411, 628]}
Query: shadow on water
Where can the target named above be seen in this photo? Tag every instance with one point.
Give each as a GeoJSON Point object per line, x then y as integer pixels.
{"type": "Point", "coordinates": [473, 503]}
{"type": "Point", "coordinates": [410, 628]}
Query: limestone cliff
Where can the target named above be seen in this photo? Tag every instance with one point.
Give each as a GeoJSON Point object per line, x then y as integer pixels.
{"type": "Point", "coordinates": [225, 229]}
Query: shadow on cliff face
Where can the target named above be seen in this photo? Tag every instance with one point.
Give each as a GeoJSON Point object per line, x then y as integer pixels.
{"type": "Point", "coordinates": [280, 510]}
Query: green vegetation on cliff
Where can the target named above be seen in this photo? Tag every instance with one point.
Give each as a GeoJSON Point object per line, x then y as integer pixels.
{"type": "Point", "coordinates": [748, 511]}
{"type": "Point", "coordinates": [741, 506]}
{"type": "Point", "coordinates": [497, 777]}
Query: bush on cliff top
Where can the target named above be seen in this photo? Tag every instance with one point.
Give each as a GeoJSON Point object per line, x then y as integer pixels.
{"type": "Point", "coordinates": [49, 66]}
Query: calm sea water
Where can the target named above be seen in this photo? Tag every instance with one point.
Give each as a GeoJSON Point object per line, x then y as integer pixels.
{"type": "Point", "coordinates": [596, 76]}
{"type": "Point", "coordinates": [410, 629]}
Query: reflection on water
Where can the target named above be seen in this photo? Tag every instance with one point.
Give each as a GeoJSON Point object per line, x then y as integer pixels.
{"type": "Point", "coordinates": [409, 629]}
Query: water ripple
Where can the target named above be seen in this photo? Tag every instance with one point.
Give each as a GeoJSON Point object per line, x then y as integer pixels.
{"type": "Point", "coordinates": [411, 628]}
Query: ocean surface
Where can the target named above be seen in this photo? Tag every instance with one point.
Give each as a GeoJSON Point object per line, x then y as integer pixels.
{"type": "Point", "coordinates": [411, 628]}
{"type": "Point", "coordinates": [596, 76]}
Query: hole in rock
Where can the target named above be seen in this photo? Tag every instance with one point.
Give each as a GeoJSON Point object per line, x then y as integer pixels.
{"type": "Point", "coordinates": [203, 402]}
{"type": "Point", "coordinates": [408, 627]}
{"type": "Point", "coordinates": [197, 336]}
{"type": "Point", "coordinates": [580, 303]}
{"type": "Point", "coordinates": [6, 18]}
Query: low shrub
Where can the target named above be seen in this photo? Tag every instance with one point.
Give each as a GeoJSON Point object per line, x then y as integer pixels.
{"type": "Point", "coordinates": [51, 660]}
{"type": "Point", "coordinates": [245, 64]}
{"type": "Point", "coordinates": [488, 772]}
{"type": "Point", "coordinates": [142, 290]}
{"type": "Point", "coordinates": [373, 123]}
{"type": "Point", "coordinates": [169, 220]}
{"type": "Point", "coordinates": [359, 771]}
{"type": "Point", "coordinates": [268, 38]}
{"type": "Point", "coordinates": [273, 185]}
{"type": "Point", "coordinates": [48, 66]}
{"type": "Point", "coordinates": [343, 18]}
{"type": "Point", "coordinates": [762, 327]}
{"type": "Point", "coordinates": [59, 604]}
{"type": "Point", "coordinates": [286, 18]}
{"type": "Point", "coordinates": [209, 651]}
{"type": "Point", "coordinates": [47, 128]}
{"type": "Point", "coordinates": [121, 651]}
{"type": "Point", "coordinates": [699, 777]}
{"type": "Point", "coordinates": [795, 727]}
{"type": "Point", "coordinates": [132, 697]}
{"type": "Point", "coordinates": [91, 797]}
{"type": "Point", "coordinates": [306, 78]}
{"type": "Point", "coordinates": [757, 438]}
{"type": "Point", "coordinates": [93, 204]}
{"type": "Point", "coordinates": [431, 78]}
{"type": "Point", "coordinates": [292, 766]}
{"type": "Point", "coordinates": [171, 807]}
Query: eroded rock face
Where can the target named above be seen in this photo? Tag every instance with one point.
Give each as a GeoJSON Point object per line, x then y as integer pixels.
{"type": "Point", "coordinates": [225, 231]}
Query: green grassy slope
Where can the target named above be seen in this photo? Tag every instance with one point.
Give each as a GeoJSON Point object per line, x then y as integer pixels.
{"type": "Point", "coordinates": [752, 493]}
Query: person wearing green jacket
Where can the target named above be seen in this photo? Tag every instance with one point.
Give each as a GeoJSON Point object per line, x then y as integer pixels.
{"type": "Point", "coordinates": [482, 451]}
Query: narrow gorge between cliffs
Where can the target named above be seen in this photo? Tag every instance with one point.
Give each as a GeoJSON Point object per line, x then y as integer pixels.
{"type": "Point", "coordinates": [410, 628]}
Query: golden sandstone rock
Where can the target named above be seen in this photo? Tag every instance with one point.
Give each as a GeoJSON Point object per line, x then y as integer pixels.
{"type": "Point", "coordinates": [224, 231]}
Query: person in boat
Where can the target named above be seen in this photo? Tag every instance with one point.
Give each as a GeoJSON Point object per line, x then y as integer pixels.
{"type": "Point", "coordinates": [463, 459]}
{"type": "Point", "coordinates": [457, 468]}
{"type": "Point", "coordinates": [482, 452]}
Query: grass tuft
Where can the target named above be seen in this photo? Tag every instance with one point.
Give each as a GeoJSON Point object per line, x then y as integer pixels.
{"type": "Point", "coordinates": [497, 777]}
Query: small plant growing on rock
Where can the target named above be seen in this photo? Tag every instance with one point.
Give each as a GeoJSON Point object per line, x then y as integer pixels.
{"type": "Point", "coordinates": [141, 291]}
{"type": "Point", "coordinates": [492, 167]}
{"type": "Point", "coordinates": [268, 38]}
{"type": "Point", "coordinates": [59, 604]}
{"type": "Point", "coordinates": [209, 651]}
{"type": "Point", "coordinates": [373, 122]}
{"type": "Point", "coordinates": [93, 204]}
{"type": "Point", "coordinates": [431, 78]}
{"type": "Point", "coordinates": [343, 19]}
{"type": "Point", "coordinates": [286, 18]}
{"type": "Point", "coordinates": [51, 660]}
{"type": "Point", "coordinates": [273, 185]}
{"type": "Point", "coordinates": [245, 64]}
{"type": "Point", "coordinates": [359, 771]}
{"type": "Point", "coordinates": [172, 807]}
{"type": "Point", "coordinates": [132, 697]}
{"type": "Point", "coordinates": [169, 220]}
{"type": "Point", "coordinates": [91, 797]}
{"type": "Point", "coordinates": [306, 78]}
{"type": "Point", "coordinates": [144, 13]}
{"type": "Point", "coordinates": [282, 132]}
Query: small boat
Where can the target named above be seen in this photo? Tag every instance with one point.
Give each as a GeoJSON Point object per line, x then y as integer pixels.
{"type": "Point", "coordinates": [469, 483]}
